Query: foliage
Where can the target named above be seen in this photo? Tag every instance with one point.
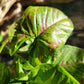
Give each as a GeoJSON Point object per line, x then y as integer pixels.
{"type": "Point", "coordinates": [41, 34]}
{"type": "Point", "coordinates": [4, 74]}
{"type": "Point", "coordinates": [1, 38]}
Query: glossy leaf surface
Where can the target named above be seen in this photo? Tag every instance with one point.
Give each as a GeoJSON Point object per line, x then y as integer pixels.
{"type": "Point", "coordinates": [51, 29]}
{"type": "Point", "coordinates": [49, 26]}
{"type": "Point", "coordinates": [42, 32]}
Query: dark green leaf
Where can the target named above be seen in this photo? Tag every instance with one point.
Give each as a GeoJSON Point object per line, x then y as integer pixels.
{"type": "Point", "coordinates": [19, 83]}
{"type": "Point", "coordinates": [4, 74]}
{"type": "Point", "coordinates": [76, 70]}
{"type": "Point", "coordinates": [49, 74]}
{"type": "Point", "coordinates": [63, 77]}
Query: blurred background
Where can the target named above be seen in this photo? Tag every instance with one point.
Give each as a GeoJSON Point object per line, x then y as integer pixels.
{"type": "Point", "coordinates": [10, 10]}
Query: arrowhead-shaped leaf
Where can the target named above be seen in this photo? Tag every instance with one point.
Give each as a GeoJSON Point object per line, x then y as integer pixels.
{"type": "Point", "coordinates": [50, 29]}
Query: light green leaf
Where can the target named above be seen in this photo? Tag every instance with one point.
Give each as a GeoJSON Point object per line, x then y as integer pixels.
{"type": "Point", "coordinates": [27, 66]}
{"type": "Point", "coordinates": [50, 26]}
{"type": "Point", "coordinates": [68, 55]}
{"type": "Point", "coordinates": [12, 30]}
{"type": "Point", "coordinates": [17, 44]}
{"type": "Point", "coordinates": [21, 76]}
{"type": "Point", "coordinates": [19, 69]}
{"type": "Point", "coordinates": [1, 38]}
{"type": "Point", "coordinates": [4, 74]}
{"type": "Point", "coordinates": [3, 45]}
{"type": "Point", "coordinates": [72, 59]}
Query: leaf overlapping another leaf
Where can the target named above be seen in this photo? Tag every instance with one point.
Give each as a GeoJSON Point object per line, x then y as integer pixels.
{"type": "Point", "coordinates": [49, 74]}
{"type": "Point", "coordinates": [62, 68]}
{"type": "Point", "coordinates": [72, 59]}
{"type": "Point", "coordinates": [68, 55]}
{"type": "Point", "coordinates": [51, 28]}
{"type": "Point", "coordinates": [45, 30]}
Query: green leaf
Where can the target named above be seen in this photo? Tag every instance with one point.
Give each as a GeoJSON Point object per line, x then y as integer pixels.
{"type": "Point", "coordinates": [12, 30]}
{"type": "Point", "coordinates": [20, 79]}
{"type": "Point", "coordinates": [72, 59]}
{"type": "Point", "coordinates": [38, 18]}
{"type": "Point", "coordinates": [3, 45]}
{"type": "Point", "coordinates": [76, 70]}
{"type": "Point", "coordinates": [63, 77]}
{"type": "Point", "coordinates": [21, 76]}
{"type": "Point", "coordinates": [50, 26]}
{"type": "Point", "coordinates": [4, 74]}
{"type": "Point", "coordinates": [1, 38]}
{"type": "Point", "coordinates": [27, 66]}
{"type": "Point", "coordinates": [18, 38]}
{"type": "Point", "coordinates": [49, 74]}
{"type": "Point", "coordinates": [18, 41]}
{"type": "Point", "coordinates": [68, 55]}
{"type": "Point", "coordinates": [46, 27]}
{"type": "Point", "coordinates": [19, 69]}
